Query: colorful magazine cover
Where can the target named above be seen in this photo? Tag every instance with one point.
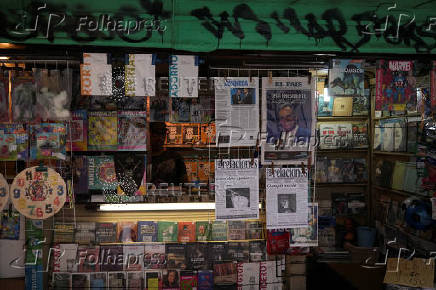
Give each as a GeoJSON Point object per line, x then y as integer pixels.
{"type": "Point", "coordinates": [47, 141]}
{"type": "Point", "coordinates": [254, 230]}
{"type": "Point", "coordinates": [395, 86]}
{"type": "Point", "coordinates": [101, 173]}
{"type": "Point", "coordinates": [88, 258]}
{"type": "Point", "coordinates": [219, 231]}
{"type": "Point", "coordinates": [153, 279]}
{"type": "Point", "coordinates": [106, 232]}
{"type": "Point", "coordinates": [98, 281]}
{"type": "Point", "coordinates": [325, 105]}
{"type": "Point", "coordinates": [186, 232]}
{"type": "Point", "coordinates": [126, 231]}
{"type": "Point", "coordinates": [10, 225]}
{"type": "Point", "coordinates": [154, 256]}
{"type": "Point", "coordinates": [205, 280]}
{"type": "Point", "coordinates": [77, 131]}
{"type": "Point", "coordinates": [236, 230]}
{"type": "Point", "coordinates": [170, 279]}
{"type": "Point", "coordinates": [176, 256]}
{"type": "Point", "coordinates": [188, 280]}
{"type": "Point", "coordinates": [13, 142]}
{"type": "Point", "coordinates": [346, 78]}
{"type": "Point", "coordinates": [196, 254]}
{"type": "Point", "coordinates": [167, 231]}
{"type": "Point", "coordinates": [132, 133]}
{"type": "Point", "coordinates": [203, 230]}
{"type": "Point", "coordinates": [130, 168]}
{"type": "Point", "coordinates": [225, 274]}
{"type": "Point", "coordinates": [360, 135]}
{"type": "Point", "coordinates": [134, 257]}
{"type": "Point", "coordinates": [147, 231]}
{"type": "Point", "coordinates": [102, 131]}
{"type": "Point", "coordinates": [4, 97]}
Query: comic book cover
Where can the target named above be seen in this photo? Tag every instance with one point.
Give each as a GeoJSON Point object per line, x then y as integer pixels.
{"type": "Point", "coordinates": [85, 232]}
{"type": "Point", "coordinates": [77, 131]}
{"type": "Point", "coordinates": [153, 279]}
{"type": "Point", "coordinates": [117, 280]}
{"type": "Point", "coordinates": [10, 225]}
{"type": "Point", "coordinates": [254, 230]}
{"type": "Point", "coordinates": [101, 173]}
{"type": "Point", "coordinates": [154, 256]}
{"type": "Point", "coordinates": [171, 279]}
{"type": "Point", "coordinates": [88, 258]}
{"type": "Point", "coordinates": [176, 256]}
{"type": "Point", "coordinates": [236, 230]}
{"type": "Point", "coordinates": [4, 97]}
{"type": "Point", "coordinates": [47, 141]}
{"type": "Point", "coordinates": [102, 130]}
{"type": "Point", "coordinates": [167, 231]}
{"type": "Point", "coordinates": [147, 231]}
{"type": "Point", "coordinates": [203, 230]}
{"type": "Point", "coordinates": [186, 232]}
{"type": "Point", "coordinates": [188, 280]}
{"type": "Point", "coordinates": [196, 254]}
{"type": "Point", "coordinates": [257, 251]}
{"type": "Point", "coordinates": [13, 142]}
{"type": "Point", "coordinates": [205, 280]}
{"type": "Point", "coordinates": [132, 133]}
{"type": "Point", "coordinates": [23, 93]}
{"type": "Point", "coordinates": [248, 275]}
{"type": "Point", "coordinates": [126, 231]}
{"type": "Point", "coordinates": [98, 280]}
{"type": "Point", "coordinates": [134, 257]}
{"type": "Point", "coordinates": [361, 104]}
{"type": "Point", "coordinates": [395, 85]}
{"type": "Point", "coordinates": [360, 135]}
{"type": "Point", "coordinates": [219, 231]}
{"type": "Point", "coordinates": [238, 251]}
{"type": "Point", "coordinates": [135, 280]}
{"type": "Point", "coordinates": [106, 232]}
{"type": "Point", "coordinates": [346, 77]}
{"type": "Point", "coordinates": [112, 258]}
{"type": "Point", "coordinates": [225, 274]}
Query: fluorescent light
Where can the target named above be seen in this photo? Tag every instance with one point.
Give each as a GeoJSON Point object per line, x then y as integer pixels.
{"type": "Point", "coordinates": [4, 57]}
{"type": "Point", "coordinates": [158, 206]}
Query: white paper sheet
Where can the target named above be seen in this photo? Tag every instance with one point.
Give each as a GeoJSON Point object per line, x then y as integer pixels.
{"type": "Point", "coordinates": [183, 76]}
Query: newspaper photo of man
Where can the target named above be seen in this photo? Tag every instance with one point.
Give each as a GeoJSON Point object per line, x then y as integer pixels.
{"type": "Point", "coordinates": [286, 203]}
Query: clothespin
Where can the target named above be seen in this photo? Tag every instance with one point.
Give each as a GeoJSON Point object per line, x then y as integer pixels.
{"type": "Point", "coordinates": [249, 75]}
{"type": "Point", "coordinates": [270, 77]}
{"type": "Point", "coordinates": [303, 168]}
{"type": "Point", "coordinates": [272, 168]}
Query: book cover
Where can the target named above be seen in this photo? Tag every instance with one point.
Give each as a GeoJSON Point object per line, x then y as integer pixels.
{"type": "Point", "coordinates": [88, 258]}
{"type": "Point", "coordinates": [102, 130]}
{"type": "Point", "coordinates": [203, 231]}
{"type": "Point", "coordinates": [186, 232]}
{"type": "Point", "coordinates": [360, 170]}
{"type": "Point", "coordinates": [111, 258]}
{"type": "Point", "coordinates": [217, 253]}
{"type": "Point", "coordinates": [225, 274]}
{"type": "Point", "coordinates": [134, 257]}
{"type": "Point", "coordinates": [106, 232]}
{"type": "Point", "coordinates": [117, 280]}
{"type": "Point", "coordinates": [248, 275]}
{"type": "Point", "coordinates": [63, 233]}
{"type": "Point", "coordinates": [67, 259]}
{"type": "Point", "coordinates": [196, 254]}
{"type": "Point", "coordinates": [205, 280]}
{"type": "Point", "coordinates": [356, 203]}
{"type": "Point", "coordinates": [325, 106]}
{"type": "Point", "coordinates": [236, 230]}
{"type": "Point", "coordinates": [135, 280]}
{"type": "Point", "coordinates": [80, 280]}
{"type": "Point", "coordinates": [13, 142]}
{"type": "Point", "coordinates": [47, 141]}
{"type": "Point", "coordinates": [126, 232]}
{"type": "Point", "coordinates": [77, 131]}
{"type": "Point", "coordinates": [147, 231]}
{"type": "Point", "coordinates": [10, 225]}
{"type": "Point", "coordinates": [360, 135]}
{"type": "Point", "coordinates": [188, 280]}
{"type": "Point", "coordinates": [80, 174]}
{"type": "Point", "coordinates": [171, 279]}
{"type": "Point", "coordinates": [154, 256]}
{"type": "Point", "coordinates": [334, 171]}
{"type": "Point", "coordinates": [257, 251]}
{"type": "Point", "coordinates": [328, 136]}
{"type": "Point", "coordinates": [85, 232]}
{"type": "Point", "coordinates": [219, 231]}
{"type": "Point", "coordinates": [167, 231]}
{"type": "Point", "coordinates": [253, 230]}
{"type": "Point", "coordinates": [153, 279]}
{"type": "Point", "coordinates": [98, 280]}
{"type": "Point", "coordinates": [159, 108]}
{"type": "Point", "coordinates": [238, 251]}
{"type": "Point", "coordinates": [176, 256]}
{"type": "Point", "coordinates": [346, 77]}
{"type": "Point", "coordinates": [101, 173]}
{"type": "Point", "coordinates": [132, 132]}
{"type": "Point", "coordinates": [395, 86]}
{"type": "Point", "coordinates": [342, 107]}
{"type": "Point", "coordinates": [61, 280]}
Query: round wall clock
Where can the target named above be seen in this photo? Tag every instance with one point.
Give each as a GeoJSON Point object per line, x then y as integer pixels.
{"type": "Point", "coordinates": [4, 192]}
{"type": "Point", "coordinates": [38, 193]}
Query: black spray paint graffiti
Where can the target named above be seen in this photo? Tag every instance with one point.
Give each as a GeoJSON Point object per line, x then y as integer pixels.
{"type": "Point", "coordinates": [48, 21]}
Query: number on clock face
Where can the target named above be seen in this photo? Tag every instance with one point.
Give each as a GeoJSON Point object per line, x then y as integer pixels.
{"type": "Point", "coordinates": [17, 193]}
{"type": "Point", "coordinates": [2, 192]}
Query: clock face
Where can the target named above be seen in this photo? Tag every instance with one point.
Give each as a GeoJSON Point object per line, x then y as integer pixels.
{"type": "Point", "coordinates": [4, 192]}
{"type": "Point", "coordinates": [38, 194]}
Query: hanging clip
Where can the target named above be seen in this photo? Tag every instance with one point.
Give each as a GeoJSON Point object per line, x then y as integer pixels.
{"type": "Point", "coordinates": [303, 168]}
{"type": "Point", "coordinates": [270, 77]}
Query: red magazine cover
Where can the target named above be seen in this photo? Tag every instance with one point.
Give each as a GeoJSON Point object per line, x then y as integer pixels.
{"type": "Point", "coordinates": [186, 232]}
{"type": "Point", "coordinates": [277, 242]}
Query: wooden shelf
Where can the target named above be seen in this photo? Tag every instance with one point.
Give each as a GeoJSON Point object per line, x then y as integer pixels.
{"type": "Point", "coordinates": [394, 153]}
{"type": "Point", "coordinates": [343, 150]}
{"type": "Point", "coordinates": [340, 184]}
{"type": "Point", "coordinates": [395, 116]}
{"type": "Point", "coordinates": [344, 118]}
{"type": "Point", "coordinates": [400, 192]}
{"type": "Point", "coordinates": [189, 146]}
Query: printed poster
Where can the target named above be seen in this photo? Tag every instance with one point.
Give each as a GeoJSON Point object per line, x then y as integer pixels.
{"type": "Point", "coordinates": [286, 198]}
{"type": "Point", "coordinates": [236, 111]}
{"type": "Point", "coordinates": [346, 78]}
{"type": "Point", "coordinates": [183, 76]}
{"type": "Point", "coordinates": [306, 236]}
{"type": "Point", "coordinates": [237, 189]}
{"type": "Point", "coordinates": [140, 77]}
{"type": "Point", "coordinates": [288, 119]}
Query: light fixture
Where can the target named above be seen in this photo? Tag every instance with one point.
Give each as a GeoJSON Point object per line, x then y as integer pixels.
{"type": "Point", "coordinates": [159, 206]}
{"type": "Point", "coordinates": [4, 57]}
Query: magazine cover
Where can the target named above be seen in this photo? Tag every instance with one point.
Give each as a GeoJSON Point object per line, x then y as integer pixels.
{"type": "Point", "coordinates": [80, 280]}
{"type": "Point", "coordinates": [88, 258]}
{"type": "Point", "coordinates": [205, 280]}
{"type": "Point", "coordinates": [135, 280]}
{"type": "Point", "coordinates": [236, 230]}
{"type": "Point", "coordinates": [170, 279]}
{"type": "Point", "coordinates": [335, 135]}
{"type": "Point", "coordinates": [394, 134]}
{"type": "Point", "coordinates": [176, 256]}
{"type": "Point", "coordinates": [154, 256]}
{"type": "Point", "coordinates": [360, 135]}
{"type": "Point", "coordinates": [134, 257]}
{"type": "Point", "coordinates": [188, 280]}
{"type": "Point", "coordinates": [23, 93]}
{"type": "Point", "coordinates": [13, 142]}
{"type": "Point", "coordinates": [203, 231]}
{"type": "Point", "coordinates": [248, 275]}
{"type": "Point", "coordinates": [196, 254]}
{"type": "Point", "coordinates": [159, 108]}
{"type": "Point", "coordinates": [47, 141]}
{"type": "Point", "coordinates": [288, 118]}
{"type": "Point", "coordinates": [67, 260]}
{"type": "Point", "coordinates": [186, 232]}
{"type": "Point", "coordinates": [126, 231]}
{"type": "Point", "coordinates": [10, 225]}
{"type": "Point", "coordinates": [238, 251]}
{"type": "Point", "coordinates": [219, 231]}
{"type": "Point", "coordinates": [153, 279]}
{"type": "Point", "coordinates": [208, 133]}
{"type": "Point", "coordinates": [85, 232]}
{"type": "Point", "coordinates": [167, 231]}
{"type": "Point", "coordinates": [325, 105]}
{"type": "Point", "coordinates": [101, 173]}
{"type": "Point", "coordinates": [112, 258]}
{"type": "Point", "coordinates": [61, 280]}
{"type": "Point", "coordinates": [174, 134]}
{"type": "Point", "coordinates": [225, 274]}
{"type": "Point", "coordinates": [130, 168]}
{"type": "Point", "coordinates": [117, 280]}
{"type": "Point", "coordinates": [132, 133]}
{"type": "Point", "coordinates": [361, 105]}
{"type": "Point", "coordinates": [80, 175]}
{"type": "Point", "coordinates": [106, 232]}
{"type": "Point", "coordinates": [147, 231]}
{"type": "Point", "coordinates": [395, 87]}
{"type": "Point", "coordinates": [254, 230]}
{"type": "Point", "coordinates": [346, 78]}
{"type": "Point", "coordinates": [77, 131]}
{"type": "Point", "coordinates": [191, 170]}
{"type": "Point", "coordinates": [191, 134]}
{"type": "Point", "coordinates": [206, 171]}
{"type": "Point", "coordinates": [277, 242]}
{"type": "Point", "coordinates": [98, 280]}
{"type": "Point", "coordinates": [4, 97]}
{"type": "Point", "coordinates": [140, 77]}
{"type": "Point", "coordinates": [102, 131]}
{"type": "Point", "coordinates": [257, 251]}
{"type": "Point", "coordinates": [308, 236]}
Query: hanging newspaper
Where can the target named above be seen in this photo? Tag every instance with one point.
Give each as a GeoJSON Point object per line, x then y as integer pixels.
{"type": "Point", "coordinates": [237, 189]}
{"type": "Point", "coordinates": [140, 75]}
{"type": "Point", "coordinates": [306, 236]}
{"type": "Point", "coordinates": [236, 111]}
{"type": "Point", "coordinates": [286, 198]}
{"type": "Point", "coordinates": [183, 76]}
{"type": "Point", "coordinates": [288, 118]}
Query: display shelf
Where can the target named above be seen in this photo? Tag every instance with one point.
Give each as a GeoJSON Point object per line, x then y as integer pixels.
{"type": "Point", "coordinates": [396, 116]}
{"type": "Point", "coordinates": [400, 192]}
{"type": "Point", "coordinates": [342, 150]}
{"type": "Point", "coordinates": [177, 242]}
{"type": "Point", "coordinates": [342, 118]}
{"type": "Point", "coordinates": [324, 184]}
{"type": "Point", "coordinates": [394, 153]}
